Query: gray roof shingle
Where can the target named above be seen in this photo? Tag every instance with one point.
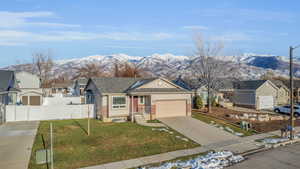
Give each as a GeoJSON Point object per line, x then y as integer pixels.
{"type": "Point", "coordinates": [115, 84]}
{"type": "Point", "coordinates": [127, 85]}
{"type": "Point", "coordinates": [248, 84]}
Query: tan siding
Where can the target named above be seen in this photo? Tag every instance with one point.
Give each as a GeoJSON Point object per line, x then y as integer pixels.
{"type": "Point", "coordinates": [120, 111]}
{"type": "Point", "coordinates": [267, 90]}
{"type": "Point", "coordinates": [282, 96]}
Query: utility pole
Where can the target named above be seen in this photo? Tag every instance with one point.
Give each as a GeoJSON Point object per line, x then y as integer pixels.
{"type": "Point", "coordinates": [291, 94]}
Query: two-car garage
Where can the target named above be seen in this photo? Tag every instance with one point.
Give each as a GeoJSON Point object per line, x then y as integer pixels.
{"type": "Point", "coordinates": [31, 98]}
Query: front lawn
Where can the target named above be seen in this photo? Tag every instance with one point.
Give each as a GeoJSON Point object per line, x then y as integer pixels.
{"type": "Point", "coordinates": [108, 142]}
{"type": "Point", "coordinates": [221, 123]}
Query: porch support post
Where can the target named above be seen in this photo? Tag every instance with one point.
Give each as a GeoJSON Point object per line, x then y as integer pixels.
{"type": "Point", "coordinates": [131, 101]}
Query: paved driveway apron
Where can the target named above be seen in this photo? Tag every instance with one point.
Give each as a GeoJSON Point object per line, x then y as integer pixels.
{"type": "Point", "coordinates": [198, 131]}
{"type": "Point", "coordinates": [16, 140]}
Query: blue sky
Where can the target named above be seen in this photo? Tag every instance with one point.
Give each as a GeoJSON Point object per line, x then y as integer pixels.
{"type": "Point", "coordinates": [77, 28]}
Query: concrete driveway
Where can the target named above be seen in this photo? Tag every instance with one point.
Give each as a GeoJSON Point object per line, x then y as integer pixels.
{"type": "Point", "coordinates": [16, 140]}
{"type": "Point", "coordinates": [198, 131]}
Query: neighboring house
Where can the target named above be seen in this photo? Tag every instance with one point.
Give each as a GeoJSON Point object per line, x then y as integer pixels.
{"type": "Point", "coordinates": [8, 92]}
{"type": "Point", "coordinates": [61, 88]}
{"type": "Point", "coordinates": [296, 89]}
{"type": "Point", "coordinates": [258, 94]}
{"type": "Point", "coordinates": [226, 89]}
{"type": "Point", "coordinates": [283, 93]}
{"type": "Point", "coordinates": [122, 98]}
{"type": "Point", "coordinates": [79, 86]}
{"type": "Point", "coordinates": [30, 89]}
{"type": "Point", "coordinates": [8, 87]}
{"type": "Point", "coordinates": [197, 88]}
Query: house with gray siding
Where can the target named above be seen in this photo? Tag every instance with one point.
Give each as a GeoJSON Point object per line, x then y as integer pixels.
{"type": "Point", "coordinates": [8, 91]}
{"type": "Point", "coordinates": [123, 98]}
{"type": "Point", "coordinates": [8, 87]}
{"type": "Point", "coordinates": [257, 94]}
{"type": "Point", "coordinates": [79, 86]}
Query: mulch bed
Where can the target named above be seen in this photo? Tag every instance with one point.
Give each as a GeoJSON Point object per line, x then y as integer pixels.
{"type": "Point", "coordinates": [223, 113]}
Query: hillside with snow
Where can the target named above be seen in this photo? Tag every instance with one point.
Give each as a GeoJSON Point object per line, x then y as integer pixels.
{"type": "Point", "coordinates": [251, 66]}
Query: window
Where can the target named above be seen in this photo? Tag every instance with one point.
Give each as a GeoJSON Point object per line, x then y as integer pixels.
{"type": "Point", "coordinates": [142, 100]}
{"type": "Point", "coordinates": [119, 102]}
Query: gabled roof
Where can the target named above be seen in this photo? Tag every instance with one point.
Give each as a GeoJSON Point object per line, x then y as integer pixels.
{"type": "Point", "coordinates": [129, 85]}
{"type": "Point", "coordinates": [279, 83]}
{"type": "Point", "coordinates": [226, 84]}
{"type": "Point", "coordinates": [5, 78]}
{"type": "Point", "coordinates": [114, 84]}
{"type": "Point", "coordinates": [188, 84]}
{"type": "Point", "coordinates": [249, 84]}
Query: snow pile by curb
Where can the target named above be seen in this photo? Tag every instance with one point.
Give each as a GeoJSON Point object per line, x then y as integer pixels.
{"type": "Point", "coordinates": [213, 160]}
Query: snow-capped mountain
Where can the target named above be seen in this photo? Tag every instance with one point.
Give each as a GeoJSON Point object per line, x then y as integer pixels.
{"type": "Point", "coordinates": [251, 66]}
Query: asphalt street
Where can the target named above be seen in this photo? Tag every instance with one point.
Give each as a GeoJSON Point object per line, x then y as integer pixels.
{"type": "Point", "coordinates": [280, 158]}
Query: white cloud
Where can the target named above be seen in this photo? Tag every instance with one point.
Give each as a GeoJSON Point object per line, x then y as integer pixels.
{"type": "Point", "coordinates": [21, 19]}
{"type": "Point", "coordinates": [195, 27]}
{"type": "Point", "coordinates": [9, 37]}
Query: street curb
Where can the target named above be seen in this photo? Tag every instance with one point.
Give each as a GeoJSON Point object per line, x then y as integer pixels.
{"type": "Point", "coordinates": [266, 148]}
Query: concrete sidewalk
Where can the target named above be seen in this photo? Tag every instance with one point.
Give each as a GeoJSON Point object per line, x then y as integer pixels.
{"type": "Point", "coordinates": [16, 140]}
{"type": "Point", "coordinates": [149, 159]}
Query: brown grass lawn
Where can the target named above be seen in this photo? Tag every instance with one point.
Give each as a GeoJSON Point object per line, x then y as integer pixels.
{"type": "Point", "coordinates": [108, 142]}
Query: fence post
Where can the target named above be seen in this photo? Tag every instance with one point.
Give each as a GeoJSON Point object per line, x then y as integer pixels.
{"type": "Point", "coordinates": [88, 119]}
{"type": "Point", "coordinates": [51, 145]}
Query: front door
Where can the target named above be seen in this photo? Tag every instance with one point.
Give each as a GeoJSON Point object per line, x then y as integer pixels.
{"type": "Point", "coordinates": [135, 104]}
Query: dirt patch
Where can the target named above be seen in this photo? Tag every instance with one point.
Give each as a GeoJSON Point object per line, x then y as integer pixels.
{"type": "Point", "coordinates": [224, 114]}
{"type": "Point", "coordinates": [72, 127]}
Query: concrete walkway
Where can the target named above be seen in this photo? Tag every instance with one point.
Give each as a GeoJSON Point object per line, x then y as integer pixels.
{"type": "Point", "coordinates": [197, 130]}
{"type": "Point", "coordinates": [16, 140]}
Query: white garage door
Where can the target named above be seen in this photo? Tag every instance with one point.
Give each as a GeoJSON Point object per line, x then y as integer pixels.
{"type": "Point", "coordinates": [266, 102]}
{"type": "Point", "coordinates": [170, 108]}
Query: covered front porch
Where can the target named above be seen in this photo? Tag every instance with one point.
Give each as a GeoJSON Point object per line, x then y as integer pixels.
{"type": "Point", "coordinates": [140, 105]}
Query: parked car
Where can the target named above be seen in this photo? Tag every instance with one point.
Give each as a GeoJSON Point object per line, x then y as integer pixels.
{"type": "Point", "coordinates": [287, 109]}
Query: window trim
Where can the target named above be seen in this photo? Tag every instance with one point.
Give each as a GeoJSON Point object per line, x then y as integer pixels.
{"type": "Point", "coordinates": [118, 106]}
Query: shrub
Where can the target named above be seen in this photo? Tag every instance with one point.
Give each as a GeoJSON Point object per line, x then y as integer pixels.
{"type": "Point", "coordinates": [214, 102]}
{"type": "Point", "coordinates": [198, 103]}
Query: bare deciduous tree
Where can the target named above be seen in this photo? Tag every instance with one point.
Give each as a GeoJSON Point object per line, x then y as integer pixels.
{"type": "Point", "coordinates": [128, 70]}
{"type": "Point", "coordinates": [208, 67]}
{"type": "Point", "coordinates": [89, 70]}
{"type": "Point", "coordinates": [43, 65]}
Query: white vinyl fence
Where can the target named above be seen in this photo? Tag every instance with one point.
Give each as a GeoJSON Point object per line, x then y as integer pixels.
{"type": "Point", "coordinates": [32, 113]}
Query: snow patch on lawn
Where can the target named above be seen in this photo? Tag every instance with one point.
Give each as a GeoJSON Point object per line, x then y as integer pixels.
{"type": "Point", "coordinates": [213, 160]}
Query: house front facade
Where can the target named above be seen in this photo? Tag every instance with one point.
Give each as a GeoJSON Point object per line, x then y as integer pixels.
{"type": "Point", "coordinates": [257, 94]}
{"type": "Point", "coordinates": [123, 98]}
{"type": "Point", "coordinates": [283, 93]}
{"type": "Point", "coordinates": [30, 89]}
